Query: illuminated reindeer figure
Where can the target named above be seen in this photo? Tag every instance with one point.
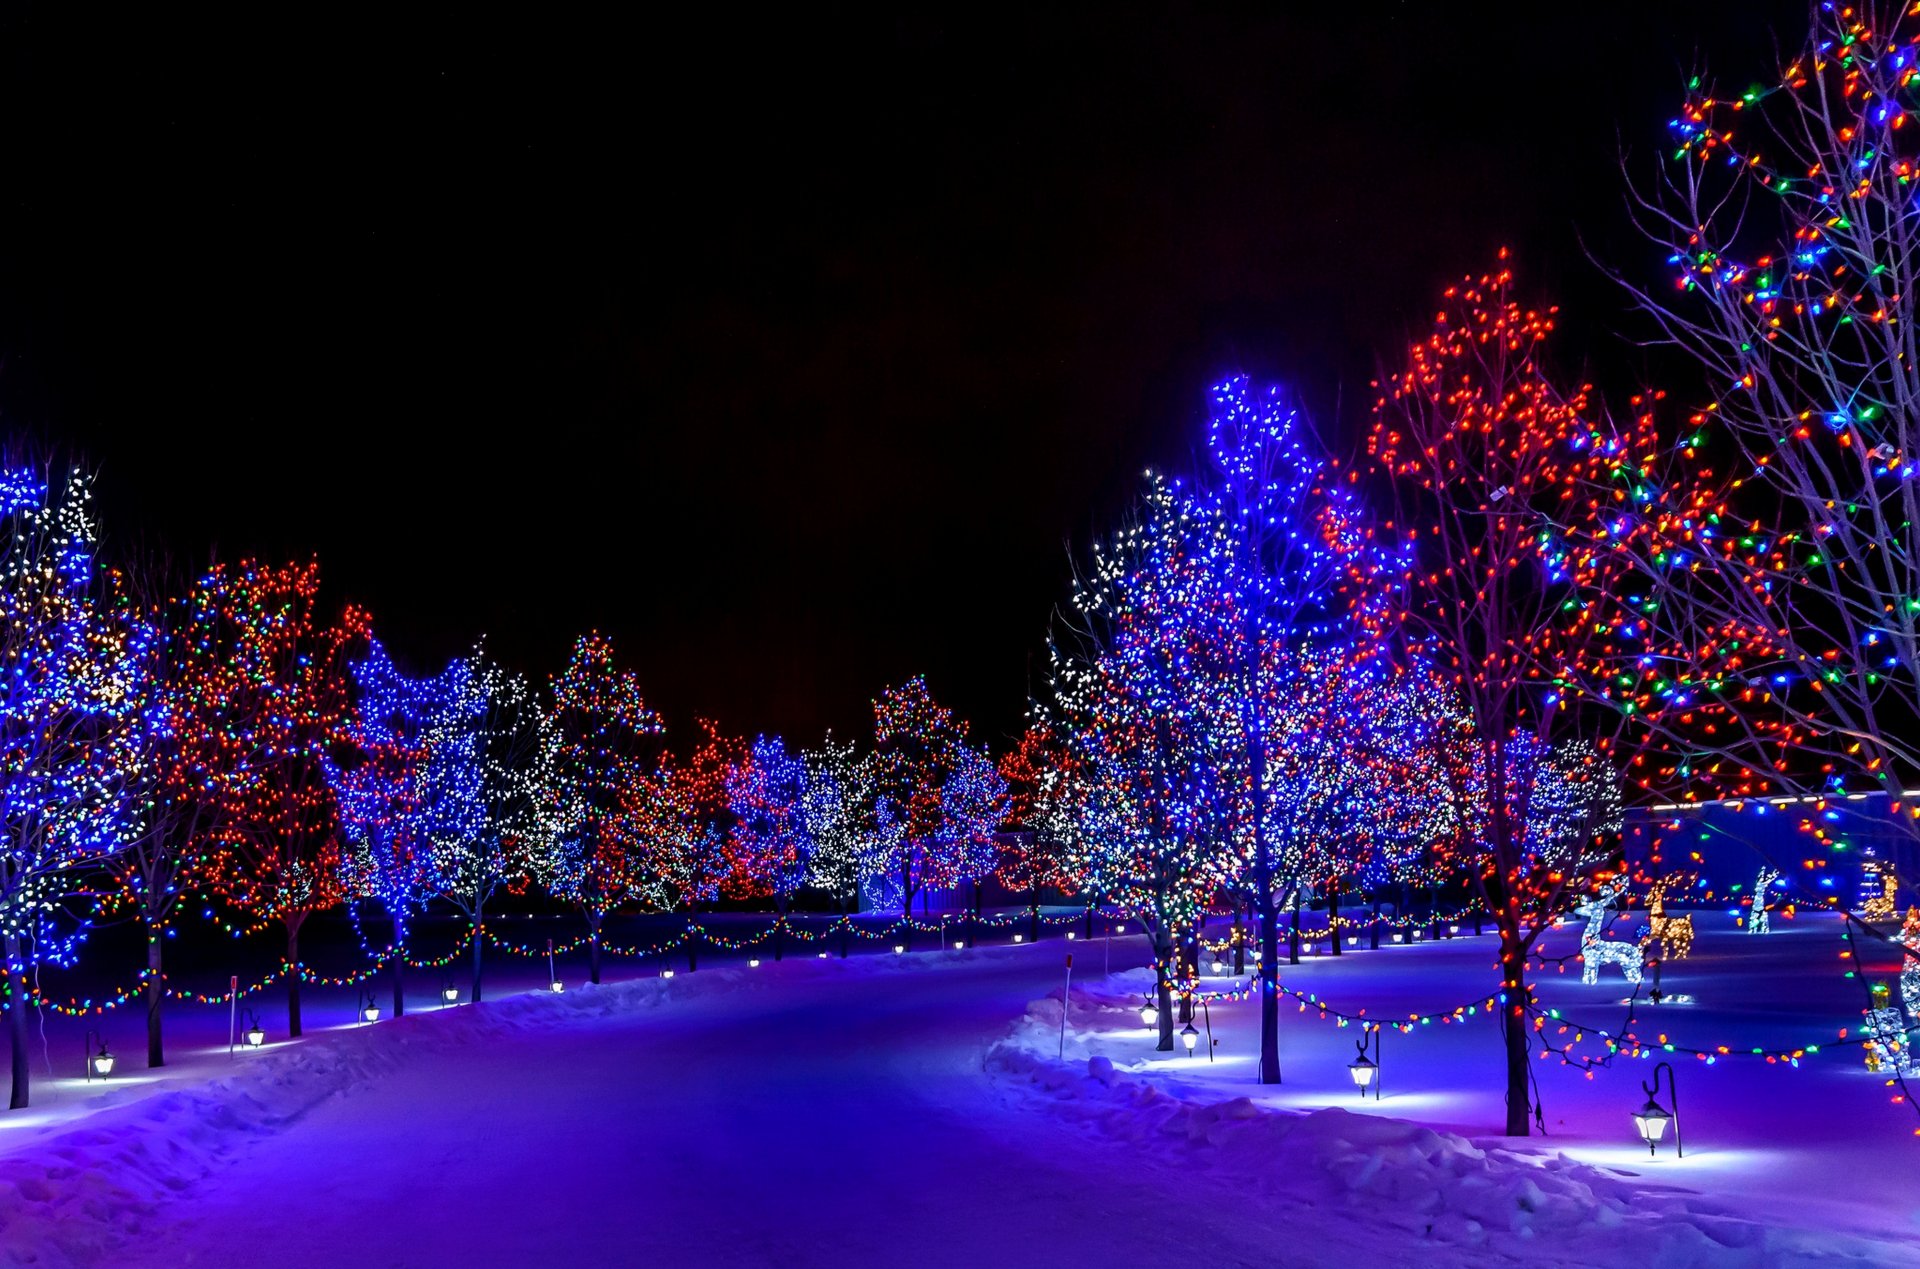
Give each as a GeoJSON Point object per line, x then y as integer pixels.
{"type": "Point", "coordinates": [1757, 920]}
{"type": "Point", "coordinates": [1673, 934]}
{"type": "Point", "coordinates": [1596, 951]}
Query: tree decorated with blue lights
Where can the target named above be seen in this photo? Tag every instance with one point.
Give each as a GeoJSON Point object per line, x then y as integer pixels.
{"type": "Point", "coordinates": [770, 850]}
{"type": "Point", "coordinates": [412, 775]}
{"type": "Point", "coordinates": [74, 711]}
{"type": "Point", "coordinates": [599, 736]}
{"type": "Point", "coordinates": [1290, 553]}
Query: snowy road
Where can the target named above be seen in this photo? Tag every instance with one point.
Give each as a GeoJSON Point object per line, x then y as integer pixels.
{"type": "Point", "coordinates": [824, 1112]}
{"type": "Point", "coordinates": [815, 1120]}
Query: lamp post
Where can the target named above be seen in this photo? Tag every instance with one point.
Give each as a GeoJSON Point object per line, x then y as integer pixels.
{"type": "Point", "coordinates": [1149, 1013]}
{"type": "Point", "coordinates": [255, 1034]}
{"type": "Point", "coordinates": [1190, 1038]}
{"type": "Point", "coordinates": [100, 1063]}
{"type": "Point", "coordinates": [449, 993]}
{"type": "Point", "coordinates": [1366, 1070]}
{"type": "Point", "coordinates": [553, 979]}
{"type": "Point", "coordinates": [1651, 1120]}
{"type": "Point", "coordinates": [1206, 1011]}
{"type": "Point", "coordinates": [370, 1011]}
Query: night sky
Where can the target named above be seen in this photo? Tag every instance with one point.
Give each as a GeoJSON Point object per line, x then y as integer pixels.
{"type": "Point", "coordinates": [788, 349]}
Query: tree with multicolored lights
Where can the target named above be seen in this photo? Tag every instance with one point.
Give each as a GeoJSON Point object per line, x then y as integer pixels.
{"type": "Point", "coordinates": [282, 695]}
{"type": "Point", "coordinates": [1481, 450]}
{"type": "Point", "coordinates": [74, 710]}
{"type": "Point", "coordinates": [599, 734]}
{"type": "Point", "coordinates": [505, 728]}
{"type": "Point", "coordinates": [770, 849]}
{"type": "Point", "coordinates": [189, 756]}
{"type": "Point", "coordinates": [925, 796]}
{"type": "Point", "coordinates": [1140, 668]}
{"type": "Point", "coordinates": [1769, 630]}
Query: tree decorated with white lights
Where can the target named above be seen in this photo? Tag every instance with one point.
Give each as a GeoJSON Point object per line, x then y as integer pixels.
{"type": "Point", "coordinates": [1139, 669]}
{"type": "Point", "coordinates": [502, 725]}
{"type": "Point", "coordinates": [837, 807]}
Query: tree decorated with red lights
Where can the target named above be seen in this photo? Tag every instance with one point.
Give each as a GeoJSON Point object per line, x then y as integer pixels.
{"type": "Point", "coordinates": [1481, 451]}
{"type": "Point", "coordinates": [599, 733]}
{"type": "Point", "coordinates": [279, 690]}
{"type": "Point", "coordinates": [694, 822]}
{"type": "Point", "coordinates": [1041, 849]}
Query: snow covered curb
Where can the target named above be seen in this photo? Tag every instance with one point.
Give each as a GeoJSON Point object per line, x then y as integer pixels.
{"type": "Point", "coordinates": [1437, 1186]}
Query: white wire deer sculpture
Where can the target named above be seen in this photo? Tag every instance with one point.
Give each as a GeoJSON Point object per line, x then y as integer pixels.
{"type": "Point", "coordinates": [1596, 950]}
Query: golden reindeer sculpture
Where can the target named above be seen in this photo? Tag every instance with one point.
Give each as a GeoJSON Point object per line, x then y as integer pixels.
{"type": "Point", "coordinates": [1673, 934]}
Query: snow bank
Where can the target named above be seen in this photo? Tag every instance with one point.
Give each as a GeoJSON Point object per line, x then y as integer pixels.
{"type": "Point", "coordinates": [1463, 1200]}
{"type": "Point", "coordinates": [71, 1198]}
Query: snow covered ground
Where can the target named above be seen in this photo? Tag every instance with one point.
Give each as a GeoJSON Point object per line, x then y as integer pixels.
{"type": "Point", "coordinates": [912, 1110]}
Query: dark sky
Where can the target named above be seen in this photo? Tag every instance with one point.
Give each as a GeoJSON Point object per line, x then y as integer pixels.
{"type": "Point", "coordinates": [789, 349]}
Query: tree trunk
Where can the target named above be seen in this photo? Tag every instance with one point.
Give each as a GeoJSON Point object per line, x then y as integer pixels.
{"type": "Point", "coordinates": [1513, 1028]}
{"type": "Point", "coordinates": [1293, 936]}
{"type": "Point", "coordinates": [593, 953]}
{"type": "Point", "coordinates": [779, 933]}
{"type": "Point", "coordinates": [1239, 942]}
{"type": "Point", "coordinates": [693, 940]}
{"type": "Point", "coordinates": [479, 936]}
{"type": "Point", "coordinates": [1269, 990]}
{"type": "Point", "coordinates": [18, 994]}
{"type": "Point", "coordinates": [1333, 914]}
{"type": "Point", "coordinates": [1089, 933]}
{"type": "Point", "coordinates": [293, 978]}
{"type": "Point", "coordinates": [1163, 955]}
{"type": "Point", "coordinates": [846, 929]}
{"type": "Point", "coordinates": [1033, 914]}
{"type": "Point", "coordinates": [156, 992]}
{"type": "Point", "coordinates": [1373, 936]}
{"type": "Point", "coordinates": [399, 979]}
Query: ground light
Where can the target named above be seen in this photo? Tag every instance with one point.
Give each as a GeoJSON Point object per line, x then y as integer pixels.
{"type": "Point", "coordinates": [370, 1012]}
{"type": "Point", "coordinates": [556, 986]}
{"type": "Point", "coordinates": [1149, 1013]}
{"type": "Point", "coordinates": [100, 1063]}
{"type": "Point", "coordinates": [255, 1035]}
{"type": "Point", "coordinates": [1366, 1070]}
{"type": "Point", "coordinates": [449, 993]}
{"type": "Point", "coordinates": [899, 949]}
{"type": "Point", "coordinates": [753, 962]}
{"type": "Point", "coordinates": [1651, 1120]}
{"type": "Point", "coordinates": [1190, 1038]}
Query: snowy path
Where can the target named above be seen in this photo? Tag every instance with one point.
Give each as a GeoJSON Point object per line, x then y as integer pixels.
{"type": "Point", "coordinates": [826, 1112]}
